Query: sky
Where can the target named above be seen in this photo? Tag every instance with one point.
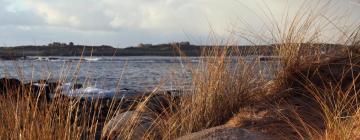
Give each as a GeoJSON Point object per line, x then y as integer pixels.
{"type": "Point", "coordinates": [123, 23]}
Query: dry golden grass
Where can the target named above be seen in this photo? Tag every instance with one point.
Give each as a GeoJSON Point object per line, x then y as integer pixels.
{"type": "Point", "coordinates": [221, 85]}
{"type": "Point", "coordinates": [220, 88]}
{"type": "Point", "coordinates": [26, 113]}
{"type": "Point", "coordinates": [25, 118]}
{"type": "Point", "coordinates": [314, 95]}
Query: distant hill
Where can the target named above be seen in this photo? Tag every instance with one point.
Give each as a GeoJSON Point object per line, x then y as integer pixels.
{"type": "Point", "coordinates": [170, 49]}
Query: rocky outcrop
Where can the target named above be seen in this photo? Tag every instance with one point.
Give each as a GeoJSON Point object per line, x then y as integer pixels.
{"type": "Point", "coordinates": [42, 88]}
{"type": "Point", "coordinates": [139, 116]}
{"type": "Point", "coordinates": [9, 84]}
{"type": "Point", "coordinates": [128, 125]}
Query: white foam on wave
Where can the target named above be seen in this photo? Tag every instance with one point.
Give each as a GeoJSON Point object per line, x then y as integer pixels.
{"type": "Point", "coordinates": [91, 59]}
{"type": "Point", "coordinates": [86, 92]}
{"type": "Point", "coordinates": [40, 85]}
{"type": "Point", "coordinates": [42, 59]}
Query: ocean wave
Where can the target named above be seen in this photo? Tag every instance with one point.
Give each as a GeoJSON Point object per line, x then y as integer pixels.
{"type": "Point", "coordinates": [91, 59]}
{"type": "Point", "coordinates": [66, 89]}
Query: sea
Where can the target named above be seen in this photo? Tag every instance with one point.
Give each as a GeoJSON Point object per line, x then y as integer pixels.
{"type": "Point", "coordinates": [106, 76]}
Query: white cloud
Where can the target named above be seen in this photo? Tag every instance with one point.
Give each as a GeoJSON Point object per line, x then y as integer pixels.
{"type": "Point", "coordinates": [62, 13]}
{"type": "Point", "coordinates": [154, 15]}
{"type": "Point", "coordinates": [355, 2]}
{"type": "Point", "coordinates": [134, 21]}
{"type": "Point", "coordinates": [25, 28]}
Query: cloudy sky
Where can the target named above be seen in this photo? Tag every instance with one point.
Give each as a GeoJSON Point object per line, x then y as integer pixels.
{"type": "Point", "coordinates": [124, 23]}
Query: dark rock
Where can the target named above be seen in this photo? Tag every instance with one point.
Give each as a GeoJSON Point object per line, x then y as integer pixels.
{"type": "Point", "coordinates": [53, 58]}
{"type": "Point", "coordinates": [11, 57]}
{"type": "Point", "coordinates": [9, 85]}
{"type": "Point", "coordinates": [145, 109]}
{"type": "Point", "coordinates": [269, 58]}
{"type": "Point", "coordinates": [114, 128]}
{"type": "Point", "coordinates": [42, 88]}
{"type": "Point", "coordinates": [77, 86]}
{"type": "Point", "coordinates": [157, 103]}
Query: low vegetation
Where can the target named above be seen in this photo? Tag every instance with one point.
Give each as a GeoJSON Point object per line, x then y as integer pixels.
{"type": "Point", "coordinates": [312, 95]}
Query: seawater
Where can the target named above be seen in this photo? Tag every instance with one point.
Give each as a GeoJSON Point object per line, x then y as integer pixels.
{"type": "Point", "coordinates": [108, 74]}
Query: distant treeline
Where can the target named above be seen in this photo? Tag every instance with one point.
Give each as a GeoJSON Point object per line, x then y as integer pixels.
{"type": "Point", "coordinates": [170, 49]}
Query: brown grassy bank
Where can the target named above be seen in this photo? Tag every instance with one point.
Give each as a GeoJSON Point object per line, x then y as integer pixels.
{"type": "Point", "coordinates": [311, 100]}
{"type": "Point", "coordinates": [314, 95]}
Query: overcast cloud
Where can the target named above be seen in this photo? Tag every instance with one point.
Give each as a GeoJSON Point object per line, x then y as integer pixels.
{"type": "Point", "coordinates": [124, 23]}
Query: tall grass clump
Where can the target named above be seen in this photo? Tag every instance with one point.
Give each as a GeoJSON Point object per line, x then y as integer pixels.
{"type": "Point", "coordinates": [317, 95]}
{"type": "Point", "coordinates": [27, 113]}
{"type": "Point", "coordinates": [24, 117]}
{"type": "Point", "coordinates": [221, 85]}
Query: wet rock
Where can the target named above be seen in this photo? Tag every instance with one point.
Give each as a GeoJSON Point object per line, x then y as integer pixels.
{"type": "Point", "coordinates": [157, 103]}
{"type": "Point", "coordinates": [77, 86]}
{"type": "Point", "coordinates": [42, 88]}
{"type": "Point", "coordinates": [11, 57]}
{"type": "Point", "coordinates": [141, 109]}
{"type": "Point", "coordinates": [122, 126]}
{"type": "Point", "coordinates": [9, 85]}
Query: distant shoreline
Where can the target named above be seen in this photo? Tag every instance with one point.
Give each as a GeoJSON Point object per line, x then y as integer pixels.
{"type": "Point", "coordinates": [170, 49]}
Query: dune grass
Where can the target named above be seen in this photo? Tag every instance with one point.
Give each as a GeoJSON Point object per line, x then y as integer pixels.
{"type": "Point", "coordinates": [313, 96]}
